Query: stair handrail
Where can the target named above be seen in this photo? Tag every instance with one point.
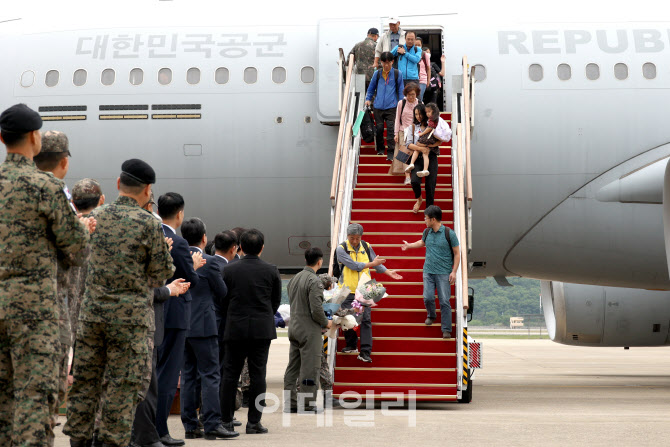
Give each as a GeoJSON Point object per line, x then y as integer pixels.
{"type": "Point", "coordinates": [337, 222]}
{"type": "Point", "coordinates": [472, 98]}
{"type": "Point", "coordinates": [466, 119]}
{"type": "Point", "coordinates": [341, 74]}
{"type": "Point", "coordinates": [462, 235]}
{"type": "Point", "coordinates": [340, 133]}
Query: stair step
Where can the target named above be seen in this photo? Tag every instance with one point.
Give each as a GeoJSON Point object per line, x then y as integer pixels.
{"type": "Point", "coordinates": [382, 315]}
{"type": "Point", "coordinates": [393, 215]}
{"type": "Point", "coordinates": [408, 344]}
{"type": "Point", "coordinates": [397, 204]}
{"type": "Point", "coordinates": [393, 359]}
{"type": "Point", "coordinates": [409, 329]}
{"type": "Point", "coordinates": [371, 373]}
{"type": "Point", "coordinates": [394, 225]}
{"type": "Point", "coordinates": [375, 180]}
{"type": "Point", "coordinates": [398, 193]}
{"type": "Point", "coordinates": [392, 395]}
{"type": "Point", "coordinates": [383, 168]}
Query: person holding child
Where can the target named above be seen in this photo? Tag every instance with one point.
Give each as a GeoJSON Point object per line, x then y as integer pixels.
{"type": "Point", "coordinates": [404, 116]}
{"type": "Point", "coordinates": [427, 165]}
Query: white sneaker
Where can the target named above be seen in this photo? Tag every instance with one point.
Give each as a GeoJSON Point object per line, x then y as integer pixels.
{"type": "Point", "coordinates": [407, 180]}
{"type": "Point", "coordinates": [409, 168]}
{"type": "Point", "coordinates": [423, 174]}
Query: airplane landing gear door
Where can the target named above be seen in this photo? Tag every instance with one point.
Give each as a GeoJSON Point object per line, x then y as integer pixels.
{"type": "Point", "coordinates": [334, 34]}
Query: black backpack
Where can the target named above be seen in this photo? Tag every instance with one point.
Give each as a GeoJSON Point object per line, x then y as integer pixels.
{"type": "Point", "coordinates": [446, 235]}
{"type": "Point", "coordinates": [368, 127]}
{"type": "Point", "coordinates": [337, 266]}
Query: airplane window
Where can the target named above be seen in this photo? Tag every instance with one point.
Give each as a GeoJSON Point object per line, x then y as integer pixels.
{"type": "Point", "coordinates": [52, 77]}
{"type": "Point", "coordinates": [621, 71]}
{"type": "Point", "coordinates": [164, 76]}
{"type": "Point", "coordinates": [193, 75]}
{"type": "Point", "coordinates": [79, 77]}
{"type": "Point", "coordinates": [108, 76]}
{"type": "Point", "coordinates": [222, 75]}
{"type": "Point", "coordinates": [535, 72]}
{"type": "Point", "coordinates": [250, 75]}
{"type": "Point", "coordinates": [649, 70]}
{"type": "Point", "coordinates": [136, 76]}
{"type": "Point", "coordinates": [27, 78]}
{"type": "Point", "coordinates": [279, 75]}
{"type": "Point", "coordinates": [480, 72]}
{"type": "Point", "coordinates": [564, 72]}
{"type": "Point", "coordinates": [307, 75]}
{"type": "Point", "coordinates": [592, 72]}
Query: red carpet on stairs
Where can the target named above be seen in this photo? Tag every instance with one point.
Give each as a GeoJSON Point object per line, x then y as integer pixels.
{"type": "Point", "coordinates": [407, 355]}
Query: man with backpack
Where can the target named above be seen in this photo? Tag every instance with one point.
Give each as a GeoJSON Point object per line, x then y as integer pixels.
{"type": "Point", "coordinates": [353, 258]}
{"type": "Point", "coordinates": [443, 256]}
{"type": "Point", "coordinates": [386, 87]}
{"type": "Point", "coordinates": [409, 56]}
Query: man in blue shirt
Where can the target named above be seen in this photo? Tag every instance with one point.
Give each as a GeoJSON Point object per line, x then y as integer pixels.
{"type": "Point", "coordinates": [408, 58]}
{"type": "Point", "coordinates": [386, 86]}
{"type": "Point", "coordinates": [440, 267]}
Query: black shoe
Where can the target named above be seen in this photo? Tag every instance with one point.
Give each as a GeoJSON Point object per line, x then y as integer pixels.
{"type": "Point", "coordinates": [221, 433]}
{"type": "Point", "coordinates": [194, 434]}
{"type": "Point", "coordinates": [349, 350]}
{"type": "Point", "coordinates": [169, 440]}
{"type": "Point", "coordinates": [380, 153]}
{"type": "Point", "coordinates": [80, 443]}
{"type": "Point", "coordinates": [237, 423]}
{"type": "Point", "coordinates": [365, 357]}
{"type": "Point", "coordinates": [256, 429]}
{"type": "Point", "coordinates": [230, 426]}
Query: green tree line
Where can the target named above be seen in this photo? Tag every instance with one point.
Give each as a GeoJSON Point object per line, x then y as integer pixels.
{"type": "Point", "coordinates": [494, 305]}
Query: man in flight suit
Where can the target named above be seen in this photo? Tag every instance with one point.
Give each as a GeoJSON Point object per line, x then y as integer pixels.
{"type": "Point", "coordinates": [305, 293]}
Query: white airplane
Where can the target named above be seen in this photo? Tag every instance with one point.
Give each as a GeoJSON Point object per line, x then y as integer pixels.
{"type": "Point", "coordinates": [569, 150]}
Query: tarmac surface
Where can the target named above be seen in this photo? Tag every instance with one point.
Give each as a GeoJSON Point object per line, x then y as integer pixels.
{"type": "Point", "coordinates": [529, 393]}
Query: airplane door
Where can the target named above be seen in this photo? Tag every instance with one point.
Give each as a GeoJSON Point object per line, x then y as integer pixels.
{"type": "Point", "coordinates": [334, 34]}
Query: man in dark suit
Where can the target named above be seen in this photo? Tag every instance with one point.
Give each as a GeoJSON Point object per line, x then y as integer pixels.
{"type": "Point", "coordinates": [202, 347]}
{"type": "Point", "coordinates": [238, 231]}
{"type": "Point", "coordinates": [254, 295]}
{"type": "Point", "coordinates": [177, 314]}
{"type": "Point", "coordinates": [225, 250]}
{"type": "Point", "coordinates": [144, 432]}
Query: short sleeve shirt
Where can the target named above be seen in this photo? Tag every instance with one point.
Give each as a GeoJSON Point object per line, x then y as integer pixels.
{"type": "Point", "coordinates": [439, 258]}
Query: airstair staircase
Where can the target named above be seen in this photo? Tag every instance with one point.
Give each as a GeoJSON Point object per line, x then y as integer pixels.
{"type": "Point", "coordinates": [409, 357]}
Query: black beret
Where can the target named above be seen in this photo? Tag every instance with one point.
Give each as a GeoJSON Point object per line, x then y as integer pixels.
{"type": "Point", "coordinates": [138, 170]}
{"type": "Point", "coordinates": [20, 118]}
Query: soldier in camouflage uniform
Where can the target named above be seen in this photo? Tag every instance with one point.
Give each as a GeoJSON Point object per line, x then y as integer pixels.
{"type": "Point", "coordinates": [36, 221]}
{"type": "Point", "coordinates": [86, 195]}
{"type": "Point", "coordinates": [364, 55]}
{"type": "Point", "coordinates": [129, 257]}
{"type": "Point", "coordinates": [53, 158]}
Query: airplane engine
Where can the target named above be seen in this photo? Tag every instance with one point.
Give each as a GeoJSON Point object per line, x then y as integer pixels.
{"type": "Point", "coordinates": [585, 315]}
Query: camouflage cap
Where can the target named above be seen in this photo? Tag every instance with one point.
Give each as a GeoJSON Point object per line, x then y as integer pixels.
{"type": "Point", "coordinates": [55, 141]}
{"type": "Point", "coordinates": [86, 189]}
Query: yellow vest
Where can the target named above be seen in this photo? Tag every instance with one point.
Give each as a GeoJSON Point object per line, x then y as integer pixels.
{"type": "Point", "coordinates": [350, 277]}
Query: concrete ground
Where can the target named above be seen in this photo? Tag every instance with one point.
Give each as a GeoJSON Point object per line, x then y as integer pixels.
{"type": "Point", "coordinates": [530, 393]}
